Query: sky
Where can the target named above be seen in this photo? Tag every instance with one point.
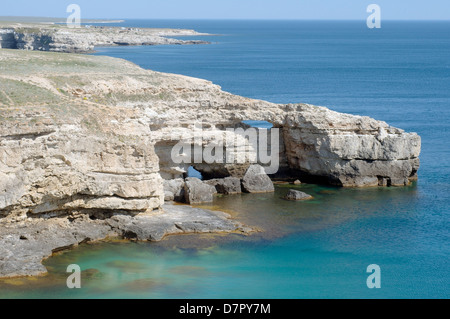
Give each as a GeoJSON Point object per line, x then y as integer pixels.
{"type": "Point", "coordinates": [232, 9]}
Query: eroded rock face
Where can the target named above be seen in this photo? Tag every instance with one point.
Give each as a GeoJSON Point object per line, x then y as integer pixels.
{"type": "Point", "coordinates": [57, 172]}
{"type": "Point", "coordinates": [349, 150]}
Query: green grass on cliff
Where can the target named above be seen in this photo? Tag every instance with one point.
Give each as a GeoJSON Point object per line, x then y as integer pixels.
{"type": "Point", "coordinates": [19, 93]}
{"type": "Point", "coordinates": [31, 30]}
{"type": "Point", "coordinates": [23, 63]}
{"type": "Point", "coordinates": [81, 89]}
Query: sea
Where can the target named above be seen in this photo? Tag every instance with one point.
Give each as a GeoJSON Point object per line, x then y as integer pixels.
{"type": "Point", "coordinates": [322, 248]}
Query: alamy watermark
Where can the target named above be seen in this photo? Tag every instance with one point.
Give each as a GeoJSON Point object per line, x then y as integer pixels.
{"type": "Point", "coordinates": [74, 19]}
{"type": "Point", "coordinates": [374, 280]}
{"type": "Point", "coordinates": [74, 280]}
{"type": "Point", "coordinates": [230, 146]}
{"type": "Point", "coordinates": [374, 20]}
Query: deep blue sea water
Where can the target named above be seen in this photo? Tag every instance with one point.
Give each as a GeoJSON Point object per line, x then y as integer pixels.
{"type": "Point", "coordinates": [318, 249]}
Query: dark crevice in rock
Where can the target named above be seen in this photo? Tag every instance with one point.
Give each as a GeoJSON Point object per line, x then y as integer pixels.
{"type": "Point", "coordinates": [290, 174]}
{"type": "Point", "coordinates": [76, 214]}
{"type": "Point", "coordinates": [179, 227]}
{"type": "Point", "coordinates": [84, 241]}
{"type": "Point", "coordinates": [31, 136]}
{"type": "Point", "coordinates": [62, 248]}
{"type": "Point", "coordinates": [7, 39]}
{"type": "Point", "coordinates": [384, 181]}
{"type": "Point", "coordinates": [129, 235]}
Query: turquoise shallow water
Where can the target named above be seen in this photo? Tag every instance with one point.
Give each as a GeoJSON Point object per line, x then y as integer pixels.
{"type": "Point", "coordinates": [315, 249]}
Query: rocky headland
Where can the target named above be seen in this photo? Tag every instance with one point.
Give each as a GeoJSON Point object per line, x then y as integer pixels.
{"type": "Point", "coordinates": [85, 146]}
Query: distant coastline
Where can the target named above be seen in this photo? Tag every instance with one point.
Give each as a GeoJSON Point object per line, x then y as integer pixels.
{"type": "Point", "coordinates": [58, 37]}
{"type": "Point", "coordinates": [52, 20]}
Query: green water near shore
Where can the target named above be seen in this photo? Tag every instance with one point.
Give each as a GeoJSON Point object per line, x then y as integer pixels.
{"type": "Point", "coordinates": [312, 249]}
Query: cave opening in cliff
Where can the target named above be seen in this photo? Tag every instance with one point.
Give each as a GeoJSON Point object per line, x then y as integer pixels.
{"type": "Point", "coordinates": [192, 172]}
{"type": "Point", "coordinates": [258, 124]}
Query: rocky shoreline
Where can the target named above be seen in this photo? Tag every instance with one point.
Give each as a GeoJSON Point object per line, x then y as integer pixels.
{"type": "Point", "coordinates": [26, 243]}
{"type": "Point", "coordinates": [60, 38]}
{"type": "Point", "coordinates": [85, 145]}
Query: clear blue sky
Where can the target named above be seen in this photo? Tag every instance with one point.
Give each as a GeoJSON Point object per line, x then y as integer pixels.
{"type": "Point", "coordinates": [232, 9]}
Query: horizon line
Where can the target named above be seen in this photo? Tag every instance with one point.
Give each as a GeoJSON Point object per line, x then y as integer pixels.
{"type": "Point", "coordinates": [242, 19]}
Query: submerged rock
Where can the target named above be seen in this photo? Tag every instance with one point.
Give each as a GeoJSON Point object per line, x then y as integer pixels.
{"type": "Point", "coordinates": [256, 180]}
{"type": "Point", "coordinates": [297, 195]}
